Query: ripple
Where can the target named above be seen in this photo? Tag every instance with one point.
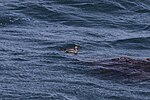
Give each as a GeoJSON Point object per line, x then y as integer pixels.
{"type": "Point", "coordinates": [133, 43]}
{"type": "Point", "coordinates": [33, 37]}
{"type": "Point", "coordinates": [11, 20]}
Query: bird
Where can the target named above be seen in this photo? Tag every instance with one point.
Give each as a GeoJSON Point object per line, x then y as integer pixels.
{"type": "Point", "coordinates": [148, 59]}
{"type": "Point", "coordinates": [72, 50]}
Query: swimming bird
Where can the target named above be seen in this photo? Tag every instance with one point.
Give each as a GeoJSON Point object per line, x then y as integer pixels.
{"type": "Point", "coordinates": [148, 59]}
{"type": "Point", "coordinates": [72, 50]}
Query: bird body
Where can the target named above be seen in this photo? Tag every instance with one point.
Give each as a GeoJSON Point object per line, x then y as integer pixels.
{"type": "Point", "coordinates": [72, 50]}
{"type": "Point", "coordinates": [148, 59]}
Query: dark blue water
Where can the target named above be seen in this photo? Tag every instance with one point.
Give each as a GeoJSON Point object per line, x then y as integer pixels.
{"type": "Point", "coordinates": [34, 32]}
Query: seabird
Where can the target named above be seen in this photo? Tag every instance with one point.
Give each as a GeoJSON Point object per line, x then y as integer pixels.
{"type": "Point", "coordinates": [72, 50]}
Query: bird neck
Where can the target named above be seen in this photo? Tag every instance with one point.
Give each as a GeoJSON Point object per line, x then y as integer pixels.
{"type": "Point", "coordinates": [75, 49]}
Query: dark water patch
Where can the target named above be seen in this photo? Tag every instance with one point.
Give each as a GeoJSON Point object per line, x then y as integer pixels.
{"type": "Point", "coordinates": [103, 6]}
{"type": "Point", "coordinates": [28, 95]}
{"type": "Point", "coordinates": [118, 98]}
{"type": "Point", "coordinates": [41, 12]}
{"type": "Point", "coordinates": [67, 2]}
{"type": "Point", "coordinates": [136, 6]}
{"type": "Point", "coordinates": [124, 69]}
{"type": "Point", "coordinates": [142, 10]}
{"type": "Point", "coordinates": [144, 40]}
{"type": "Point", "coordinates": [8, 18]}
{"type": "Point", "coordinates": [131, 25]}
{"type": "Point", "coordinates": [55, 13]}
{"type": "Point", "coordinates": [133, 43]}
{"type": "Point", "coordinates": [18, 59]}
{"type": "Point", "coordinates": [147, 28]}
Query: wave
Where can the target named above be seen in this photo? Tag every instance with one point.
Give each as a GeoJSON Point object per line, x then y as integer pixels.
{"type": "Point", "coordinates": [110, 14]}
{"type": "Point", "coordinates": [7, 19]}
{"type": "Point", "coordinates": [132, 43]}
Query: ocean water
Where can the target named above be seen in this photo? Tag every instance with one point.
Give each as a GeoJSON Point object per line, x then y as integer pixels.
{"type": "Point", "coordinates": [33, 33]}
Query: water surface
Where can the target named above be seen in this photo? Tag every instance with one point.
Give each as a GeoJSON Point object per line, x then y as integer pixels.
{"type": "Point", "coordinates": [33, 33]}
